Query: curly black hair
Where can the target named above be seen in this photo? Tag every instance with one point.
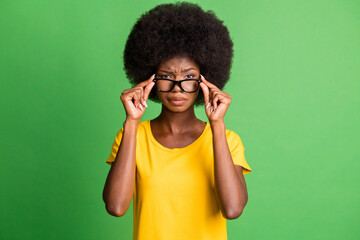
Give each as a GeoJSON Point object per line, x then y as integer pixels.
{"type": "Point", "coordinates": [180, 28]}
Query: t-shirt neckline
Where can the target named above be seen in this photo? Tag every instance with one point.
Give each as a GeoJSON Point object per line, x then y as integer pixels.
{"type": "Point", "coordinates": [175, 149]}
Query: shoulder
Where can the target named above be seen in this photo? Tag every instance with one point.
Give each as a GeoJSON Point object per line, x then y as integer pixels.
{"type": "Point", "coordinates": [142, 128]}
{"type": "Point", "coordinates": [144, 123]}
{"type": "Point", "coordinates": [233, 139]}
{"type": "Point", "coordinates": [231, 135]}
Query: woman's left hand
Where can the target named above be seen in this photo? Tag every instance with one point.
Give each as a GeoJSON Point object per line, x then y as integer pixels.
{"type": "Point", "coordinates": [215, 110]}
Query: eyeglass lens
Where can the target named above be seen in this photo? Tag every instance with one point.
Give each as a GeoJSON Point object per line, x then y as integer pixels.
{"type": "Point", "coordinates": [189, 86]}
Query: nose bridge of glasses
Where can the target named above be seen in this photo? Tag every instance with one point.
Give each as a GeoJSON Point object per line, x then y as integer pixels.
{"type": "Point", "coordinates": [176, 84]}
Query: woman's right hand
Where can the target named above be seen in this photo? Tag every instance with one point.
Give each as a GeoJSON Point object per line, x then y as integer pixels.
{"type": "Point", "coordinates": [134, 99]}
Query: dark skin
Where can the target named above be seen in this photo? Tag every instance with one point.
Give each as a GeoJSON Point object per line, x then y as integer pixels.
{"type": "Point", "coordinates": [176, 127]}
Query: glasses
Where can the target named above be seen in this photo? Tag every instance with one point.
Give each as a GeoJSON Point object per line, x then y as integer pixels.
{"type": "Point", "coordinates": [186, 85]}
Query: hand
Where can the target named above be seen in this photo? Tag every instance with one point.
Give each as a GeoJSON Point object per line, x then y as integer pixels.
{"type": "Point", "coordinates": [134, 99]}
{"type": "Point", "coordinates": [216, 101]}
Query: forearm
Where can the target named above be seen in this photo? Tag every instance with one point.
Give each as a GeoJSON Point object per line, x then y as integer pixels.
{"type": "Point", "coordinates": [229, 189]}
{"type": "Point", "coordinates": [119, 185]}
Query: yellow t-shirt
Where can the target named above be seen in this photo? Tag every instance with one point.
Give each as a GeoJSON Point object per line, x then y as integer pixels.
{"type": "Point", "coordinates": [174, 194]}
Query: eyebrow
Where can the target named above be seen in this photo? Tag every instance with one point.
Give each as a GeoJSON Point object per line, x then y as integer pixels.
{"type": "Point", "coordinates": [185, 70]}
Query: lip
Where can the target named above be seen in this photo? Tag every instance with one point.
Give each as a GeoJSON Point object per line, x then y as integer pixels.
{"type": "Point", "coordinates": [177, 100]}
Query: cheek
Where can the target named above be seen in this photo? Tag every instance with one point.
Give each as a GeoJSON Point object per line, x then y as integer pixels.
{"type": "Point", "coordinates": [196, 95]}
{"type": "Point", "coordinates": [161, 96]}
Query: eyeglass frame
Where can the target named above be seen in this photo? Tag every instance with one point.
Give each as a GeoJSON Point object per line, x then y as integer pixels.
{"type": "Point", "coordinates": [174, 82]}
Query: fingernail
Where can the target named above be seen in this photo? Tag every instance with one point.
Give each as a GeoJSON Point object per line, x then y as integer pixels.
{"type": "Point", "coordinates": [211, 109]}
{"type": "Point", "coordinates": [208, 104]}
{"type": "Point", "coordinates": [145, 104]}
{"type": "Point", "coordinates": [141, 107]}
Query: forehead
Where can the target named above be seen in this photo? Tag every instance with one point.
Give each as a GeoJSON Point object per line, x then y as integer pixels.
{"type": "Point", "coordinates": [178, 63]}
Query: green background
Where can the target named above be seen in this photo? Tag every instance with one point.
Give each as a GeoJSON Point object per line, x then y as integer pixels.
{"type": "Point", "coordinates": [295, 104]}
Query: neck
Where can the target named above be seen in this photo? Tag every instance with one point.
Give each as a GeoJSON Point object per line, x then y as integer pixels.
{"type": "Point", "coordinates": [177, 122]}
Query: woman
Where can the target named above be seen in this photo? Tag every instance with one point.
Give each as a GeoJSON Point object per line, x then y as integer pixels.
{"type": "Point", "coordinates": [186, 175]}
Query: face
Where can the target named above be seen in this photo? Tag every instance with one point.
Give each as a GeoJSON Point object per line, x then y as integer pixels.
{"type": "Point", "coordinates": [178, 68]}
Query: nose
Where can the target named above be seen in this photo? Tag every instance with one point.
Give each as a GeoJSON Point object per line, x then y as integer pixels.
{"type": "Point", "coordinates": [176, 88]}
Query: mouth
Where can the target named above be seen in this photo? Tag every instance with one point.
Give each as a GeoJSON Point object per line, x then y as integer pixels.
{"type": "Point", "coordinates": [177, 101]}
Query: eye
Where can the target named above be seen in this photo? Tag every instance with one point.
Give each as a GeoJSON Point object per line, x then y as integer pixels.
{"type": "Point", "coordinates": [165, 76]}
{"type": "Point", "coordinates": [189, 75]}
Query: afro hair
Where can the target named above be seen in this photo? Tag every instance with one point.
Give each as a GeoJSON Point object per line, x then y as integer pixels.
{"type": "Point", "coordinates": [184, 29]}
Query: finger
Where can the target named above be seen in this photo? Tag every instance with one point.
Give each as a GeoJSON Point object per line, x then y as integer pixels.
{"type": "Point", "coordinates": [143, 102]}
{"type": "Point", "coordinates": [211, 96]}
{"type": "Point", "coordinates": [137, 99]}
{"type": "Point", "coordinates": [211, 100]}
{"type": "Point", "coordinates": [224, 99]}
{"type": "Point", "coordinates": [207, 83]}
{"type": "Point", "coordinates": [127, 95]}
{"type": "Point", "coordinates": [146, 82]}
{"type": "Point", "coordinates": [215, 100]}
{"type": "Point", "coordinates": [205, 90]}
{"type": "Point", "coordinates": [139, 94]}
{"type": "Point", "coordinates": [132, 97]}
{"type": "Point", "coordinates": [147, 91]}
{"type": "Point", "coordinates": [140, 106]}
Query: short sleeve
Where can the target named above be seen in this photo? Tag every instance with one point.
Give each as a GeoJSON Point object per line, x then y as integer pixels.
{"type": "Point", "coordinates": [115, 147]}
{"type": "Point", "coordinates": [237, 149]}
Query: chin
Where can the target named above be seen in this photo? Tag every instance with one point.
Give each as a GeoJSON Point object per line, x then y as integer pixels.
{"type": "Point", "coordinates": [177, 108]}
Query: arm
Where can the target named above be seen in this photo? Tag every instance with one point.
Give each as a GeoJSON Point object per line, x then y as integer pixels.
{"type": "Point", "coordinates": [119, 185]}
{"type": "Point", "coordinates": [230, 186]}
{"type": "Point", "coordinates": [230, 183]}
{"type": "Point", "coordinates": [120, 182]}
